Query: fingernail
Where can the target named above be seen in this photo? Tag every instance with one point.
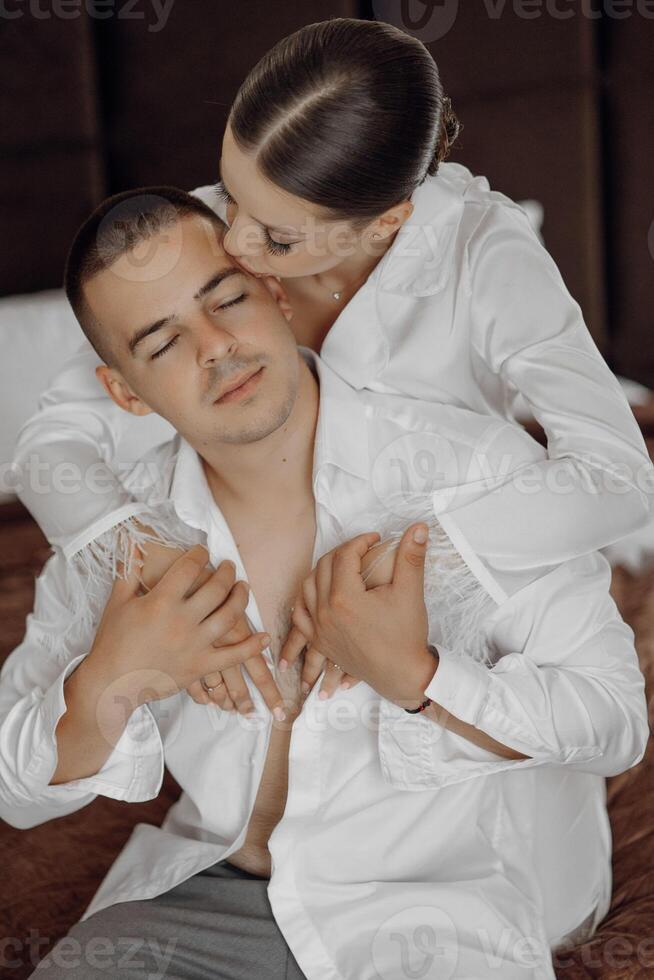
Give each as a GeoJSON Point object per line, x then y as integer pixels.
{"type": "Point", "coordinates": [305, 687]}
{"type": "Point", "coordinates": [283, 664]}
{"type": "Point", "coordinates": [323, 695]}
{"type": "Point", "coordinates": [420, 535]}
{"type": "Point", "coordinates": [265, 640]}
{"type": "Point", "coordinates": [279, 713]}
{"type": "Point", "coordinates": [343, 686]}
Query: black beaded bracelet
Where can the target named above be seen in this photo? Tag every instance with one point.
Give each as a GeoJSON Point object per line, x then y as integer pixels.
{"type": "Point", "coordinates": [427, 701]}
{"type": "Point", "coordinates": [425, 704]}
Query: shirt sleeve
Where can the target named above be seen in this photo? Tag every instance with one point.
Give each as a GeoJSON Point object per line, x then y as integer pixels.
{"type": "Point", "coordinates": [31, 704]}
{"type": "Point", "coordinates": [596, 484]}
{"type": "Point", "coordinates": [62, 463]}
{"type": "Point", "coordinates": [62, 458]}
{"type": "Point", "coordinates": [566, 689]}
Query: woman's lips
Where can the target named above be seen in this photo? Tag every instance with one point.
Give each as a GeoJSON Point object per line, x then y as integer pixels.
{"type": "Point", "coordinates": [242, 390]}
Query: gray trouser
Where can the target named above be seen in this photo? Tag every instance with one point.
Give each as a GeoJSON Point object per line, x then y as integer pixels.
{"type": "Point", "coordinates": [216, 925]}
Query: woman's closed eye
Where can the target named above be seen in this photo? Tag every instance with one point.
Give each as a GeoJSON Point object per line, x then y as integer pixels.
{"type": "Point", "coordinates": [222, 306]}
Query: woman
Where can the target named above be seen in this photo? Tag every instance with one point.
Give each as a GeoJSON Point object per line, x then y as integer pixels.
{"type": "Point", "coordinates": [407, 275]}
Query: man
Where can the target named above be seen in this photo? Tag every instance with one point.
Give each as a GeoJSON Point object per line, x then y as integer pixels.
{"type": "Point", "coordinates": [444, 842]}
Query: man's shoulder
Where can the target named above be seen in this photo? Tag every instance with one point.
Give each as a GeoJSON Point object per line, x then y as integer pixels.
{"type": "Point", "coordinates": [150, 478]}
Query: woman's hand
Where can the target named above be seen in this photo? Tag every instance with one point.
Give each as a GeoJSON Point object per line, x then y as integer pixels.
{"type": "Point", "coordinates": [377, 566]}
{"type": "Point", "coordinates": [232, 693]}
{"type": "Point", "coordinates": [379, 635]}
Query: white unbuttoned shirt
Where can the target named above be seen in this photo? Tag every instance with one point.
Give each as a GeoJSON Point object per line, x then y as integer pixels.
{"type": "Point", "coordinates": [402, 844]}
{"type": "Point", "coordinates": [466, 308]}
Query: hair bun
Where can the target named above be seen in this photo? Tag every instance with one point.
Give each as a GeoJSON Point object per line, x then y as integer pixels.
{"type": "Point", "coordinates": [449, 131]}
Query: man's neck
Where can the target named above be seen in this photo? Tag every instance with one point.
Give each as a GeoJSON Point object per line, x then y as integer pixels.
{"type": "Point", "coordinates": [278, 467]}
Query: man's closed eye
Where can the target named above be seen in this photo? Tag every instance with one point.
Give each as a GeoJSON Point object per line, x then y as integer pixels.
{"type": "Point", "coordinates": [223, 306]}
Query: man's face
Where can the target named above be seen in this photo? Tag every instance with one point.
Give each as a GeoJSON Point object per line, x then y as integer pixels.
{"type": "Point", "coordinates": [187, 326]}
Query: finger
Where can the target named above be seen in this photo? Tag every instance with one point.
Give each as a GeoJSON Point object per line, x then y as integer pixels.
{"type": "Point", "coordinates": [206, 574]}
{"type": "Point", "coordinates": [323, 577]}
{"type": "Point", "coordinates": [301, 618]}
{"type": "Point", "coordinates": [331, 680]}
{"type": "Point", "coordinates": [181, 575]}
{"type": "Point", "coordinates": [237, 689]}
{"type": "Point", "coordinates": [347, 681]}
{"type": "Point", "coordinates": [211, 595]}
{"type": "Point", "coordinates": [262, 677]}
{"type": "Point", "coordinates": [218, 697]}
{"type": "Point", "coordinates": [410, 560]}
{"type": "Point", "coordinates": [310, 595]}
{"type": "Point", "coordinates": [293, 646]}
{"type": "Point", "coordinates": [215, 627]}
{"type": "Point", "coordinates": [220, 659]}
{"type": "Point", "coordinates": [314, 663]}
{"type": "Point", "coordinates": [346, 568]}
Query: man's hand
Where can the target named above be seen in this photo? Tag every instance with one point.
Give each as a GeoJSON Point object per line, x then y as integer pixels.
{"type": "Point", "coordinates": [379, 636]}
{"type": "Point", "coordinates": [152, 646]}
{"type": "Point", "coordinates": [233, 693]}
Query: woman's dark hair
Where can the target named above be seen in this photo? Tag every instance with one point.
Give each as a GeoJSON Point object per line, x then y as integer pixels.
{"type": "Point", "coordinates": [348, 114]}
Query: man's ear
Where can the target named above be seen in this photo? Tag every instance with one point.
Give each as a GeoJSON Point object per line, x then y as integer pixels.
{"type": "Point", "coordinates": [118, 389]}
{"type": "Point", "coordinates": [274, 286]}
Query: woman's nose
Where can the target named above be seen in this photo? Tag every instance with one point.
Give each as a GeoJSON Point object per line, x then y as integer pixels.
{"type": "Point", "coordinates": [242, 238]}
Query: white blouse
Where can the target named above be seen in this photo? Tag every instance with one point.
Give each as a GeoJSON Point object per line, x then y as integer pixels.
{"type": "Point", "coordinates": [466, 308]}
{"type": "Point", "coordinates": [402, 845]}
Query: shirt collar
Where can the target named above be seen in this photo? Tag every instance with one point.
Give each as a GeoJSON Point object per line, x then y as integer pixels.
{"type": "Point", "coordinates": [420, 259]}
{"type": "Point", "coordinates": [342, 431]}
{"type": "Point", "coordinates": [341, 440]}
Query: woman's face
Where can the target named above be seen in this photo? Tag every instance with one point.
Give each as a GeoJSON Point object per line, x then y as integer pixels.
{"type": "Point", "coordinates": [272, 232]}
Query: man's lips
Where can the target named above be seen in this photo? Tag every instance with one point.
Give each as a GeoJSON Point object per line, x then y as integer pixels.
{"type": "Point", "coordinates": [240, 386]}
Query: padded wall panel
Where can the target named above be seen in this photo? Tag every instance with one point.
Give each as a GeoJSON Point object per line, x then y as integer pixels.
{"type": "Point", "coordinates": [630, 229]}
{"type": "Point", "coordinates": [51, 170]}
{"type": "Point", "coordinates": [166, 94]}
{"type": "Point", "coordinates": [542, 144]}
{"type": "Point", "coordinates": [494, 46]}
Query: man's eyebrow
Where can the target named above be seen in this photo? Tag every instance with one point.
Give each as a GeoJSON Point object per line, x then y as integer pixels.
{"type": "Point", "coordinates": [144, 332]}
{"type": "Point", "coordinates": [280, 231]}
{"type": "Point", "coordinates": [217, 279]}
{"type": "Point", "coordinates": [209, 285]}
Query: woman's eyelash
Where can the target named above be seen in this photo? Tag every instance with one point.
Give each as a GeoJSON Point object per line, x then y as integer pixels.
{"type": "Point", "coordinates": [273, 247]}
{"type": "Point", "coordinates": [223, 193]}
{"type": "Point", "coordinates": [277, 248]}
{"type": "Point", "coordinates": [223, 306]}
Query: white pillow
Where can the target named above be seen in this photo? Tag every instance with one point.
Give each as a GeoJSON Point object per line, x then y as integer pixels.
{"type": "Point", "coordinates": [38, 333]}
{"type": "Point", "coordinates": [535, 213]}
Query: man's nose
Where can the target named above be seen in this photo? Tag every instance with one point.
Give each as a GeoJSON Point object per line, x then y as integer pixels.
{"type": "Point", "coordinates": [214, 343]}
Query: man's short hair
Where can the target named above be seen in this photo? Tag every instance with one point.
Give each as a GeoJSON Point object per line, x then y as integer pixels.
{"type": "Point", "coordinates": [116, 226]}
